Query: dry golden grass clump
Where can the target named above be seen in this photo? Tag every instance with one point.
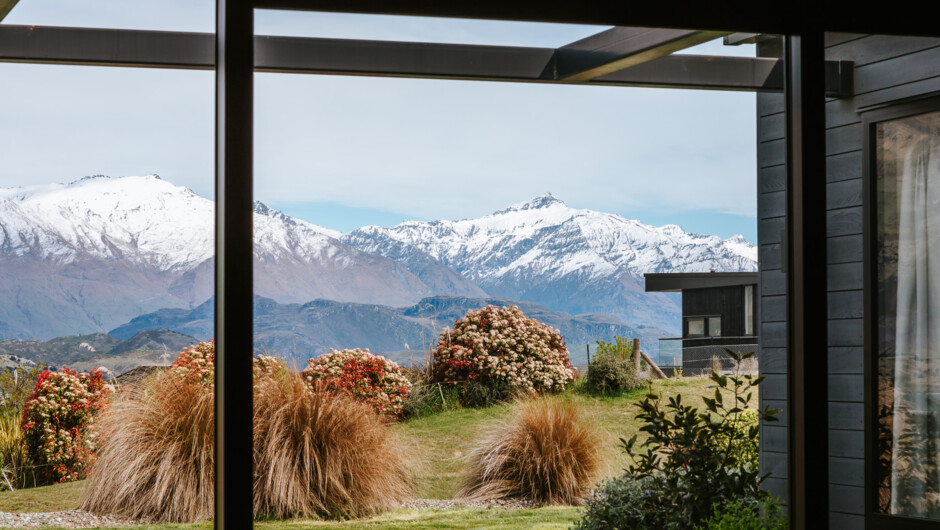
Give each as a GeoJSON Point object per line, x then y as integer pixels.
{"type": "Point", "coordinates": [544, 453]}
{"type": "Point", "coordinates": [316, 454]}
{"type": "Point", "coordinates": [155, 458]}
{"type": "Point", "coordinates": [323, 454]}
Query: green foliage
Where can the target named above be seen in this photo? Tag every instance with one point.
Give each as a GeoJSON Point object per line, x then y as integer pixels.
{"type": "Point", "coordinates": [743, 448]}
{"type": "Point", "coordinates": [677, 373]}
{"type": "Point", "coordinates": [16, 384]}
{"type": "Point", "coordinates": [476, 393]}
{"type": "Point", "coordinates": [14, 458]}
{"type": "Point", "coordinates": [746, 514]}
{"type": "Point", "coordinates": [692, 458]}
{"type": "Point", "coordinates": [621, 347]}
{"type": "Point", "coordinates": [426, 396]}
{"type": "Point", "coordinates": [621, 503]}
{"type": "Point", "coordinates": [610, 374]}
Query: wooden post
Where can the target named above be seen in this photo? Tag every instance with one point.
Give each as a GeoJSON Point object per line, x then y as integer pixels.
{"type": "Point", "coordinates": [636, 354]}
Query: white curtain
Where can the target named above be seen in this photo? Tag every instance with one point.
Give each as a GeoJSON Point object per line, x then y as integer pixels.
{"type": "Point", "coordinates": [915, 472]}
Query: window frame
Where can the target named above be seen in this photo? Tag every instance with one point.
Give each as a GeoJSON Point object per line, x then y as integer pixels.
{"type": "Point", "coordinates": [889, 111]}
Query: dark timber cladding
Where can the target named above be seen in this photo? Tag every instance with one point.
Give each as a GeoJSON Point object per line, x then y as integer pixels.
{"type": "Point", "coordinates": [234, 454]}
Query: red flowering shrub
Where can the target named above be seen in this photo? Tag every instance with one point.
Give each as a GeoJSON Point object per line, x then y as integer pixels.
{"type": "Point", "coordinates": [58, 422]}
{"type": "Point", "coordinates": [501, 346]}
{"type": "Point", "coordinates": [369, 378]}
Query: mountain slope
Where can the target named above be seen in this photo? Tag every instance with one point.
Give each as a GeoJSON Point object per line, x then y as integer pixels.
{"type": "Point", "coordinates": [301, 331]}
{"type": "Point", "coordinates": [568, 259]}
{"type": "Point", "coordinates": [91, 254]}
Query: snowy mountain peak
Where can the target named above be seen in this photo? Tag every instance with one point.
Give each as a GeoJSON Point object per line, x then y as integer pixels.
{"type": "Point", "coordinates": [542, 201]}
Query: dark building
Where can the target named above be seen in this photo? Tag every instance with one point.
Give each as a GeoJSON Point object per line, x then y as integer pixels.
{"type": "Point", "coordinates": [881, 182]}
{"type": "Point", "coordinates": [719, 310]}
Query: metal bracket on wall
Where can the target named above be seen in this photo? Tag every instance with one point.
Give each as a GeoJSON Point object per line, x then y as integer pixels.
{"type": "Point", "coordinates": [840, 79]}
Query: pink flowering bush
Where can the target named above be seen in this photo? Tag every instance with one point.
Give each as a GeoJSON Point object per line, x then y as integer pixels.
{"type": "Point", "coordinates": [372, 379]}
{"type": "Point", "coordinates": [59, 422]}
{"type": "Point", "coordinates": [196, 363]}
{"type": "Point", "coordinates": [500, 346]}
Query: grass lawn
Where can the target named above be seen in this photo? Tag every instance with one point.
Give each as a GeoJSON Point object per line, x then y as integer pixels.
{"type": "Point", "coordinates": [439, 443]}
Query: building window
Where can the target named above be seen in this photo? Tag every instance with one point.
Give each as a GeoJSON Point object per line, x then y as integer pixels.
{"type": "Point", "coordinates": [907, 316]}
{"type": "Point", "coordinates": [703, 327]}
{"type": "Point", "coordinates": [748, 309]}
{"type": "Point", "coordinates": [714, 327]}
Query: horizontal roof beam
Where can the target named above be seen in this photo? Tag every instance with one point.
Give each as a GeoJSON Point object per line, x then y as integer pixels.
{"type": "Point", "coordinates": [111, 47]}
{"type": "Point", "coordinates": [619, 48]}
{"type": "Point", "coordinates": [5, 7]}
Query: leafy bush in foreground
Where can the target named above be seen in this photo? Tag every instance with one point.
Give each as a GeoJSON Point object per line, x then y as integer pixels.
{"type": "Point", "coordinates": [58, 422]}
{"type": "Point", "coordinates": [500, 345]}
{"type": "Point", "coordinates": [545, 453]}
{"type": "Point", "coordinates": [746, 514]}
{"type": "Point", "coordinates": [691, 459]}
{"type": "Point", "coordinates": [372, 379]}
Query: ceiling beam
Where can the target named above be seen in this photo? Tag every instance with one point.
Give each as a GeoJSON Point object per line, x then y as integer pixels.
{"type": "Point", "coordinates": [5, 7]}
{"type": "Point", "coordinates": [619, 48]}
{"type": "Point", "coordinates": [111, 47]}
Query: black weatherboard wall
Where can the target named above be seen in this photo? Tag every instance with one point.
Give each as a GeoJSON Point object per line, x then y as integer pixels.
{"type": "Point", "coordinates": [725, 302]}
{"type": "Point", "coordinates": [888, 71]}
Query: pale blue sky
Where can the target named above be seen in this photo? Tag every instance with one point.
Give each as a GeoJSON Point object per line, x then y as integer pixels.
{"type": "Point", "coordinates": [348, 151]}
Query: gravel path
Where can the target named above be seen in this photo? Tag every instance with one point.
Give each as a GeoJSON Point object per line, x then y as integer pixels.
{"type": "Point", "coordinates": [66, 519]}
{"type": "Point", "coordinates": [83, 519]}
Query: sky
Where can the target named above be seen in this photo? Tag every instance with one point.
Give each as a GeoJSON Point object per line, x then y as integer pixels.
{"type": "Point", "coordinates": [344, 152]}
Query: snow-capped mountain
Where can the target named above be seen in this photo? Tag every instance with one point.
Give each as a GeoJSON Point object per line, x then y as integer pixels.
{"type": "Point", "coordinates": [568, 259]}
{"type": "Point", "coordinates": [91, 254]}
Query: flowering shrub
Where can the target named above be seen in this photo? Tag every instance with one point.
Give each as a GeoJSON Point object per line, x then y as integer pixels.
{"type": "Point", "coordinates": [58, 422]}
{"type": "Point", "coordinates": [269, 365]}
{"type": "Point", "coordinates": [501, 345]}
{"type": "Point", "coordinates": [196, 363]}
{"type": "Point", "coordinates": [370, 378]}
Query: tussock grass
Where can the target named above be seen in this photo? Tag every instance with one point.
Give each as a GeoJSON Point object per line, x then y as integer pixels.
{"type": "Point", "coordinates": [155, 460]}
{"type": "Point", "coordinates": [317, 454]}
{"type": "Point", "coordinates": [543, 453]}
{"type": "Point", "coordinates": [323, 454]}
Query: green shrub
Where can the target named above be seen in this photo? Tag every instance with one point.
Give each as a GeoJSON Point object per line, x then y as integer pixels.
{"type": "Point", "coordinates": [621, 347]}
{"type": "Point", "coordinates": [610, 373]}
{"type": "Point", "coordinates": [692, 458]}
{"type": "Point", "coordinates": [427, 397]}
{"type": "Point", "coordinates": [746, 514]}
{"type": "Point", "coordinates": [741, 447]}
{"type": "Point", "coordinates": [485, 393]}
{"type": "Point", "coordinates": [620, 503]}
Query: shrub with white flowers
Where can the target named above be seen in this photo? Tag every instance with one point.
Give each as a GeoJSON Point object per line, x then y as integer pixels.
{"type": "Point", "coordinates": [500, 345]}
{"type": "Point", "coordinates": [196, 363]}
{"type": "Point", "coordinates": [370, 378]}
{"type": "Point", "coordinates": [58, 422]}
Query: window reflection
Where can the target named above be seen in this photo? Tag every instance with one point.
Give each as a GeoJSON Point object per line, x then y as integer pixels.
{"type": "Point", "coordinates": [908, 320]}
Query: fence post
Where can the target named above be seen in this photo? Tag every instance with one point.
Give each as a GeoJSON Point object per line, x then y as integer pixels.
{"type": "Point", "coordinates": [636, 354]}
{"type": "Point", "coordinates": [588, 348]}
